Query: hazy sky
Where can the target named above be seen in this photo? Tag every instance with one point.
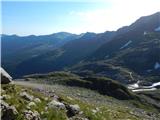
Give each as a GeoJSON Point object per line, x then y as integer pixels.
{"type": "Point", "coordinates": [50, 16]}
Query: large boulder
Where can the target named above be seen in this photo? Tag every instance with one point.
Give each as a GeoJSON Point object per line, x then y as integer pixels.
{"type": "Point", "coordinates": [5, 77]}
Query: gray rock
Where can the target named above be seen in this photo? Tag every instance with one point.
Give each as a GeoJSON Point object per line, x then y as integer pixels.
{"type": "Point", "coordinates": [26, 96]}
{"type": "Point", "coordinates": [72, 110]}
{"type": "Point", "coordinates": [5, 97]}
{"type": "Point", "coordinates": [29, 115]}
{"type": "Point", "coordinates": [37, 100]}
{"type": "Point", "coordinates": [4, 105]}
{"type": "Point", "coordinates": [56, 104]}
{"type": "Point", "coordinates": [75, 108]}
{"type": "Point", "coordinates": [5, 77]}
{"type": "Point", "coordinates": [31, 104]}
{"type": "Point", "coordinates": [95, 110]}
{"type": "Point", "coordinates": [13, 109]}
{"type": "Point", "coordinates": [56, 97]}
{"type": "Point", "coordinates": [8, 112]}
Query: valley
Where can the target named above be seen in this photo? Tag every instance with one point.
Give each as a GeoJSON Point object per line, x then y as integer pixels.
{"type": "Point", "coordinates": [113, 54]}
{"type": "Point", "coordinates": [114, 75]}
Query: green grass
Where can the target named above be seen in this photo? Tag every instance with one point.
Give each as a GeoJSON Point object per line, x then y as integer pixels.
{"type": "Point", "coordinates": [105, 112]}
{"type": "Point", "coordinates": [103, 85]}
{"type": "Point", "coordinates": [21, 104]}
{"type": "Point", "coordinates": [113, 110]}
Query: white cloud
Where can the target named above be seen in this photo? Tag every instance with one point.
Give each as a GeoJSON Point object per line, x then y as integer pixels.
{"type": "Point", "coordinates": [121, 13]}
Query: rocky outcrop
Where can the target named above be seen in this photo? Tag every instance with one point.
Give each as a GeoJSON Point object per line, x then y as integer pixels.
{"type": "Point", "coordinates": [8, 112]}
{"type": "Point", "coordinates": [5, 77]}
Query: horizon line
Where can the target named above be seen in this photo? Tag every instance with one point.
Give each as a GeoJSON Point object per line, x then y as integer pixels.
{"type": "Point", "coordinates": [16, 34]}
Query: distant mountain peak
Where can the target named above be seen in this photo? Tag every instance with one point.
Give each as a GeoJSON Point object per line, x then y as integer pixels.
{"type": "Point", "coordinates": [63, 35]}
{"type": "Point", "coordinates": [89, 35]}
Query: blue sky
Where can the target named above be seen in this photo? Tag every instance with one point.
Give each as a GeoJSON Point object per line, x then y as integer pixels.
{"type": "Point", "coordinates": [47, 17]}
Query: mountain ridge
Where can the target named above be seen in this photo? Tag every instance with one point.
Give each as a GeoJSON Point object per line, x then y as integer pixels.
{"type": "Point", "coordinates": [111, 47]}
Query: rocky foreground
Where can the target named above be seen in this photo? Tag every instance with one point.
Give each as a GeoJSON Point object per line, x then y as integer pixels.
{"type": "Point", "coordinates": [28, 100]}
{"type": "Point", "coordinates": [18, 103]}
{"type": "Point", "coordinates": [26, 103]}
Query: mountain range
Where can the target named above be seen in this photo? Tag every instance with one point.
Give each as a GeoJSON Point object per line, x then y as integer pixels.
{"type": "Point", "coordinates": [63, 76]}
{"type": "Point", "coordinates": [130, 54]}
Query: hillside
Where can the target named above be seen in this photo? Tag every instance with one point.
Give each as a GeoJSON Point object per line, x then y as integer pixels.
{"type": "Point", "coordinates": [102, 85]}
{"type": "Point", "coordinates": [63, 96]}
{"type": "Point", "coordinates": [49, 104]}
{"type": "Point", "coordinates": [132, 55]}
{"type": "Point", "coordinates": [16, 49]}
{"type": "Point", "coordinates": [55, 59]}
